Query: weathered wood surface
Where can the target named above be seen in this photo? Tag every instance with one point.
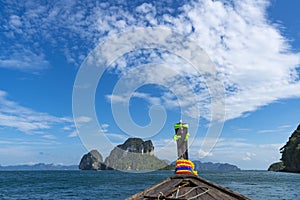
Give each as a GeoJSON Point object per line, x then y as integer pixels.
{"type": "Point", "coordinates": [187, 187]}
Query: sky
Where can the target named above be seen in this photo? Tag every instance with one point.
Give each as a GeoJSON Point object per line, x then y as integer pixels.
{"type": "Point", "coordinates": [76, 76]}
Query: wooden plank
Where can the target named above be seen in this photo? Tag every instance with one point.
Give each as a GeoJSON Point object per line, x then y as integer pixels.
{"type": "Point", "coordinates": [198, 180]}
{"type": "Point", "coordinates": [142, 193]}
{"type": "Point", "coordinates": [169, 186]}
{"type": "Point", "coordinates": [165, 188]}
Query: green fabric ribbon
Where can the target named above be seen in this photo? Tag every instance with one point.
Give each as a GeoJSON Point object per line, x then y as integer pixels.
{"type": "Point", "coordinates": [176, 137]}
{"type": "Point", "coordinates": [177, 126]}
{"type": "Point", "coordinates": [187, 137]}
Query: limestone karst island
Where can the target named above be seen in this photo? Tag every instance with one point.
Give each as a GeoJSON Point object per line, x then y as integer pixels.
{"type": "Point", "coordinates": [290, 158]}
{"type": "Point", "coordinates": [134, 154]}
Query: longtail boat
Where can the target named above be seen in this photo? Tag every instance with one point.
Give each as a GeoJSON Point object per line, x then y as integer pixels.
{"type": "Point", "coordinates": [185, 187]}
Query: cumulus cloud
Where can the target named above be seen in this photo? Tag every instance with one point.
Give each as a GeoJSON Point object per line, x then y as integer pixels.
{"type": "Point", "coordinates": [48, 136]}
{"type": "Point", "coordinates": [249, 156]}
{"type": "Point", "coordinates": [253, 59]}
{"type": "Point", "coordinates": [26, 120]}
{"type": "Point", "coordinates": [83, 119]}
{"type": "Point", "coordinates": [21, 58]}
{"type": "Point", "coordinates": [73, 134]}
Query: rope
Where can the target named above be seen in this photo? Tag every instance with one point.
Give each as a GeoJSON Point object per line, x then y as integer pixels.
{"type": "Point", "coordinates": [181, 186]}
{"type": "Point", "coordinates": [198, 195]}
{"type": "Point", "coordinates": [194, 197]}
{"type": "Point", "coordinates": [160, 195]}
{"type": "Point", "coordinates": [177, 189]}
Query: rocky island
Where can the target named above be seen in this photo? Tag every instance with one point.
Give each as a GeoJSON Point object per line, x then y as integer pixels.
{"type": "Point", "coordinates": [133, 154]}
{"type": "Point", "coordinates": [136, 154]}
{"type": "Point", "coordinates": [92, 161]}
{"type": "Point", "coordinates": [290, 158]}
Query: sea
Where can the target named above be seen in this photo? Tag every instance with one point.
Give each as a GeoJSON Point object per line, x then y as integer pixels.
{"type": "Point", "coordinates": [119, 185]}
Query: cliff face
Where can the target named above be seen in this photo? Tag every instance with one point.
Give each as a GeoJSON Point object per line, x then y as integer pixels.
{"type": "Point", "coordinates": [137, 145]}
{"type": "Point", "coordinates": [291, 153]}
{"type": "Point", "coordinates": [134, 154]}
{"type": "Point", "coordinates": [279, 166]}
{"type": "Point", "coordinates": [92, 161]}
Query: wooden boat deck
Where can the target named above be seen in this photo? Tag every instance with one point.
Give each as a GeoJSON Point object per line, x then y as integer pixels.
{"type": "Point", "coordinates": [183, 187]}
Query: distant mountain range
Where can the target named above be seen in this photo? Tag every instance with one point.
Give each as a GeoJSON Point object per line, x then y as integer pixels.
{"type": "Point", "coordinates": [133, 154]}
{"type": "Point", "coordinates": [209, 166]}
{"type": "Point", "coordinates": [39, 166]}
{"type": "Point", "coordinates": [42, 166]}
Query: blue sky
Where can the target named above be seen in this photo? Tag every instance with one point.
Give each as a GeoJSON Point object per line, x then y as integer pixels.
{"type": "Point", "coordinates": [254, 47]}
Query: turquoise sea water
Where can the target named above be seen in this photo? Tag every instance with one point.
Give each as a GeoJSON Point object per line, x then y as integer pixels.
{"type": "Point", "coordinates": [119, 185]}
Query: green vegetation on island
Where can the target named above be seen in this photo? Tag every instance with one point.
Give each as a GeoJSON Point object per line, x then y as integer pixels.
{"type": "Point", "coordinates": [290, 155]}
{"type": "Point", "coordinates": [134, 154]}
{"type": "Point", "coordinates": [278, 166]}
{"type": "Point", "coordinates": [38, 167]}
{"type": "Point", "coordinates": [92, 161]}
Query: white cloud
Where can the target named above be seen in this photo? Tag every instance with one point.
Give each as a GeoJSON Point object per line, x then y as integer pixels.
{"type": "Point", "coordinates": [26, 120]}
{"type": "Point", "coordinates": [24, 59]}
{"type": "Point", "coordinates": [15, 21]}
{"type": "Point", "coordinates": [235, 151]}
{"type": "Point", "coordinates": [48, 136]}
{"type": "Point", "coordinates": [67, 128]}
{"type": "Point", "coordinates": [79, 121]}
{"type": "Point", "coordinates": [73, 134]}
{"type": "Point", "coordinates": [253, 58]}
{"type": "Point", "coordinates": [242, 153]}
{"type": "Point", "coordinates": [116, 98]}
{"type": "Point", "coordinates": [22, 142]}
{"type": "Point", "coordinates": [250, 53]}
{"type": "Point", "coordinates": [104, 128]}
{"type": "Point", "coordinates": [83, 119]}
{"type": "Point", "coordinates": [249, 156]}
{"type": "Point", "coordinates": [203, 154]}
{"type": "Point", "coordinates": [279, 129]}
